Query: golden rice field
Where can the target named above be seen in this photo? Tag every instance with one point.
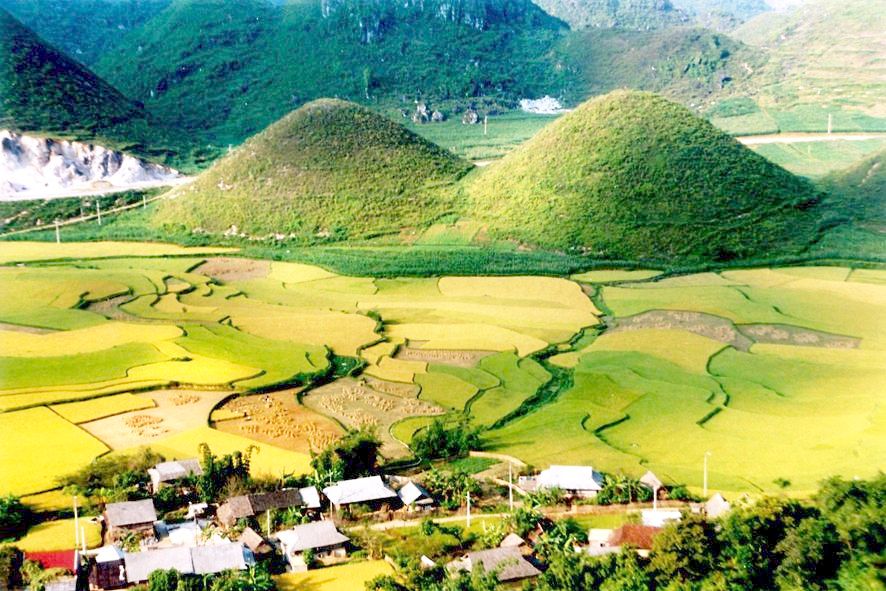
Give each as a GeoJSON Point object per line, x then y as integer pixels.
{"type": "Point", "coordinates": [345, 577]}
{"type": "Point", "coordinates": [114, 347]}
{"type": "Point", "coordinates": [51, 536]}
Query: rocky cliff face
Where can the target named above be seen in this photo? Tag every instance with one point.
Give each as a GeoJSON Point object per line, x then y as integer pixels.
{"type": "Point", "coordinates": [34, 167]}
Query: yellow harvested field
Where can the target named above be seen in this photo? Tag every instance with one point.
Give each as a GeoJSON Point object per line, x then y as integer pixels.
{"type": "Point", "coordinates": [612, 275]}
{"type": "Point", "coordinates": [84, 340]}
{"type": "Point", "coordinates": [343, 333]}
{"type": "Point", "coordinates": [469, 337]}
{"type": "Point", "coordinates": [561, 292]}
{"type": "Point", "coordinates": [297, 273]}
{"type": "Point", "coordinates": [40, 251]}
{"type": "Point", "coordinates": [345, 577]}
{"type": "Point", "coordinates": [52, 536]}
{"type": "Point", "coordinates": [267, 460]}
{"type": "Point", "coordinates": [876, 276]}
{"type": "Point", "coordinates": [28, 464]}
{"type": "Point", "coordinates": [51, 500]}
{"type": "Point", "coordinates": [31, 399]}
{"type": "Point", "coordinates": [175, 411]}
{"type": "Point", "coordinates": [688, 350]}
{"type": "Point", "coordinates": [396, 370]}
{"type": "Point", "coordinates": [373, 354]}
{"type": "Point", "coordinates": [99, 408]}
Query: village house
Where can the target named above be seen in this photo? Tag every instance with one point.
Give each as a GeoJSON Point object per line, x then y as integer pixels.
{"type": "Point", "coordinates": [508, 563]}
{"type": "Point", "coordinates": [371, 491]}
{"type": "Point", "coordinates": [660, 517]}
{"type": "Point", "coordinates": [108, 570]}
{"type": "Point", "coordinates": [320, 537]}
{"type": "Point", "coordinates": [135, 517]}
{"type": "Point", "coordinates": [573, 481]}
{"type": "Point", "coordinates": [198, 560]}
{"type": "Point", "coordinates": [611, 541]}
{"type": "Point", "coordinates": [172, 473]}
{"type": "Point", "coordinates": [245, 506]}
{"type": "Point", "coordinates": [255, 542]}
{"type": "Point", "coordinates": [716, 506]}
{"type": "Point", "coordinates": [652, 482]}
{"type": "Point", "coordinates": [415, 497]}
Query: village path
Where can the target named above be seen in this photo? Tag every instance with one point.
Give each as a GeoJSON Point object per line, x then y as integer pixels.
{"type": "Point", "coordinates": [801, 138]}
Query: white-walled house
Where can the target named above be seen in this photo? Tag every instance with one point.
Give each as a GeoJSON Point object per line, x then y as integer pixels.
{"type": "Point", "coordinates": [321, 537]}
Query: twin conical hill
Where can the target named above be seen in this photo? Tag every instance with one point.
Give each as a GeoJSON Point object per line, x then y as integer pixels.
{"type": "Point", "coordinates": [631, 175]}
{"type": "Point", "coordinates": [330, 169]}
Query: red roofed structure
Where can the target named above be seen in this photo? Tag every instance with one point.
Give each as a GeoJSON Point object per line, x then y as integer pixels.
{"type": "Point", "coordinates": [58, 559]}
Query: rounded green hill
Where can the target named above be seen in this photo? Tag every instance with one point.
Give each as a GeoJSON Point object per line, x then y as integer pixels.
{"type": "Point", "coordinates": [631, 175]}
{"type": "Point", "coordinates": [329, 170]}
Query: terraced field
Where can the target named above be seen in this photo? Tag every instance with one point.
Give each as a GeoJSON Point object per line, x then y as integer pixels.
{"type": "Point", "coordinates": [776, 372]}
{"type": "Point", "coordinates": [114, 353]}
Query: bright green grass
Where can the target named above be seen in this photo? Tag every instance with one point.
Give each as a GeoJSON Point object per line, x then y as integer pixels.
{"type": "Point", "coordinates": [817, 159]}
{"type": "Point", "coordinates": [602, 520]}
{"type": "Point", "coordinates": [404, 430]}
{"type": "Point", "coordinates": [280, 361]}
{"type": "Point", "coordinates": [446, 390]}
{"type": "Point", "coordinates": [85, 368]}
{"type": "Point", "coordinates": [520, 379]}
{"type": "Point", "coordinates": [471, 465]}
{"type": "Point", "coordinates": [503, 134]}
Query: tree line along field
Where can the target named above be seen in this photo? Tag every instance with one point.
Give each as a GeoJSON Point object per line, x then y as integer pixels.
{"type": "Point", "coordinates": [773, 371]}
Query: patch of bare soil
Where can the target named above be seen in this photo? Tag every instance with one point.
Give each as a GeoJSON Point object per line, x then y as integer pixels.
{"type": "Point", "coordinates": [110, 309]}
{"type": "Point", "coordinates": [277, 419]}
{"type": "Point", "coordinates": [356, 405]}
{"type": "Point", "coordinates": [234, 269]}
{"type": "Point", "coordinates": [176, 411]}
{"type": "Point", "coordinates": [25, 329]}
{"type": "Point", "coordinates": [449, 357]}
{"type": "Point", "coordinates": [784, 334]}
{"type": "Point", "coordinates": [706, 325]}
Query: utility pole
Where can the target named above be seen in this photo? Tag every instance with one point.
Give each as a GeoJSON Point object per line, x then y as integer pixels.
{"type": "Point", "coordinates": [469, 510]}
{"type": "Point", "coordinates": [98, 209]}
{"type": "Point", "coordinates": [76, 525]}
{"type": "Point", "coordinates": [705, 486]}
{"type": "Point", "coordinates": [144, 201]}
{"type": "Point", "coordinates": [511, 487]}
{"type": "Point", "coordinates": [485, 124]}
{"type": "Point", "coordinates": [58, 236]}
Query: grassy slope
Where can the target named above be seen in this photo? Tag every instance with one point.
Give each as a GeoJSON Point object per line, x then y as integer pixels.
{"type": "Point", "coordinates": [226, 70]}
{"type": "Point", "coordinates": [626, 14]}
{"type": "Point", "coordinates": [634, 176]}
{"type": "Point", "coordinates": [857, 206]}
{"type": "Point", "coordinates": [823, 53]}
{"type": "Point", "coordinates": [330, 168]}
{"type": "Point", "coordinates": [691, 65]}
{"type": "Point", "coordinates": [84, 29]}
{"type": "Point", "coordinates": [43, 89]}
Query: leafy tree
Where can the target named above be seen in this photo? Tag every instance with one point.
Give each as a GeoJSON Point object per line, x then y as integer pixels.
{"type": "Point", "coordinates": [113, 477]}
{"type": "Point", "coordinates": [561, 537]}
{"type": "Point", "coordinates": [622, 489]}
{"type": "Point", "coordinates": [685, 551]}
{"type": "Point", "coordinates": [857, 508]}
{"type": "Point", "coordinates": [525, 519]}
{"type": "Point", "coordinates": [352, 456]}
{"type": "Point", "coordinates": [451, 488]}
{"type": "Point", "coordinates": [811, 554]}
{"type": "Point", "coordinates": [436, 441]}
{"type": "Point", "coordinates": [164, 580]}
{"type": "Point", "coordinates": [36, 576]}
{"type": "Point", "coordinates": [10, 566]}
{"type": "Point", "coordinates": [219, 471]}
{"type": "Point", "coordinates": [751, 537]}
{"type": "Point", "coordinates": [15, 517]}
